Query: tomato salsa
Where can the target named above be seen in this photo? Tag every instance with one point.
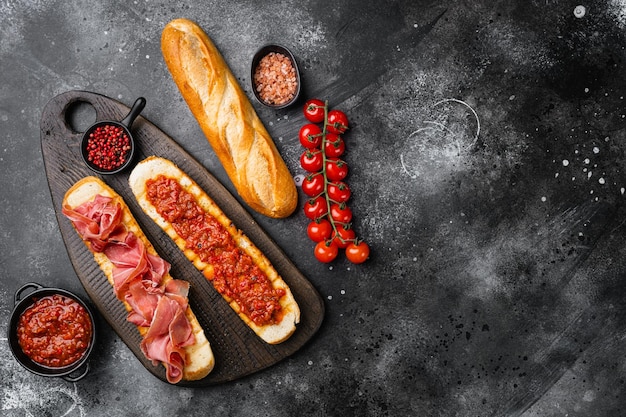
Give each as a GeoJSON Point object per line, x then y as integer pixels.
{"type": "Point", "coordinates": [235, 273]}
{"type": "Point", "coordinates": [55, 331]}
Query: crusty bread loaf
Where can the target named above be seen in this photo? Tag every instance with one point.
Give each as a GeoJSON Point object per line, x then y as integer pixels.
{"type": "Point", "coordinates": [151, 168]}
{"type": "Point", "coordinates": [228, 120]}
{"type": "Point", "coordinates": [199, 359]}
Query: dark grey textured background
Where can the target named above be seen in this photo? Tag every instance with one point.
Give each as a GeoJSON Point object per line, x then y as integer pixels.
{"type": "Point", "coordinates": [486, 157]}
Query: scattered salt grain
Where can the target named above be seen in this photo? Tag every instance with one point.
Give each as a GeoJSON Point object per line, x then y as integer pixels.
{"type": "Point", "coordinates": [298, 180]}
{"type": "Point", "coordinates": [580, 11]}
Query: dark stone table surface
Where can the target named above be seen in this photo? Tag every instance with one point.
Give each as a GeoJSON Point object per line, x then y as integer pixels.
{"type": "Point", "coordinates": [486, 156]}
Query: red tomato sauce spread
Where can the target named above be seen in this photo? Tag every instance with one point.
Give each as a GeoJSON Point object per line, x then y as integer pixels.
{"type": "Point", "coordinates": [55, 331]}
{"type": "Point", "coordinates": [235, 273]}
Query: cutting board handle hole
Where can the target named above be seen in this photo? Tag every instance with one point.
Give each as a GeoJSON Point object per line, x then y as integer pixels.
{"type": "Point", "coordinates": [80, 115]}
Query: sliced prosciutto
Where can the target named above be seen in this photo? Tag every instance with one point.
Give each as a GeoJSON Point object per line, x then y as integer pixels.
{"type": "Point", "coordinates": [169, 333]}
{"type": "Point", "coordinates": [138, 281]}
{"type": "Point", "coordinates": [96, 220]}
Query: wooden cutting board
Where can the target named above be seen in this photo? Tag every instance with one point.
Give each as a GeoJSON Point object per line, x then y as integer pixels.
{"type": "Point", "coordinates": [238, 351]}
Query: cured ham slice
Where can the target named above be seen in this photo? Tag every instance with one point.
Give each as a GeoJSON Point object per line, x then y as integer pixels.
{"type": "Point", "coordinates": [143, 303]}
{"type": "Point", "coordinates": [96, 220]}
{"type": "Point", "coordinates": [169, 333]}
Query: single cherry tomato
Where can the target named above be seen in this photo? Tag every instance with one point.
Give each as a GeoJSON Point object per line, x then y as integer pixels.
{"type": "Point", "coordinates": [310, 136]}
{"type": "Point", "coordinates": [338, 192]}
{"type": "Point", "coordinates": [334, 146]}
{"type": "Point", "coordinates": [326, 251]}
{"type": "Point", "coordinates": [357, 252]}
{"type": "Point", "coordinates": [337, 122]}
{"type": "Point", "coordinates": [319, 230]}
{"type": "Point", "coordinates": [343, 237]}
{"type": "Point", "coordinates": [313, 184]}
{"type": "Point", "coordinates": [312, 160]}
{"type": "Point", "coordinates": [314, 110]}
{"type": "Point", "coordinates": [336, 169]}
{"type": "Point", "coordinates": [316, 208]}
{"type": "Point", "coordinates": [340, 213]}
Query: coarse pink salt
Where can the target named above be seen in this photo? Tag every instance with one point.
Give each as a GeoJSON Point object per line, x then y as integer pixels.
{"type": "Point", "coordinates": [275, 79]}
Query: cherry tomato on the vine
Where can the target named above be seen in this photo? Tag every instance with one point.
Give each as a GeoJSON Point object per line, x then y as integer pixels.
{"type": "Point", "coordinates": [310, 136]}
{"type": "Point", "coordinates": [319, 230]}
{"type": "Point", "coordinates": [343, 237]}
{"type": "Point", "coordinates": [340, 213]}
{"type": "Point", "coordinates": [314, 110]}
{"type": "Point", "coordinates": [330, 217]}
{"type": "Point", "coordinates": [326, 251]}
{"type": "Point", "coordinates": [313, 184]}
{"type": "Point", "coordinates": [338, 192]}
{"type": "Point", "coordinates": [334, 146]}
{"type": "Point", "coordinates": [312, 160]}
{"type": "Point", "coordinates": [337, 122]}
{"type": "Point", "coordinates": [315, 208]}
{"type": "Point", "coordinates": [357, 252]}
{"type": "Point", "coordinates": [336, 169]}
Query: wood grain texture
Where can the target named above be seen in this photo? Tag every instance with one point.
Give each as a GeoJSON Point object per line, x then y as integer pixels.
{"type": "Point", "coordinates": [238, 351]}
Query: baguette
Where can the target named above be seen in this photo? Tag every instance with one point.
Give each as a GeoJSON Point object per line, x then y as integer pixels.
{"type": "Point", "coordinates": [199, 360]}
{"type": "Point", "coordinates": [276, 328]}
{"type": "Point", "coordinates": [228, 120]}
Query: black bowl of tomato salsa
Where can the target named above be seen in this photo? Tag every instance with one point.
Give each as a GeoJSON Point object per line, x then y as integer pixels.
{"type": "Point", "coordinates": [51, 332]}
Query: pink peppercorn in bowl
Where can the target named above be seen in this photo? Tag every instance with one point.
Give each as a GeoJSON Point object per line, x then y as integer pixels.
{"type": "Point", "coordinates": [275, 77]}
{"type": "Point", "coordinates": [108, 147]}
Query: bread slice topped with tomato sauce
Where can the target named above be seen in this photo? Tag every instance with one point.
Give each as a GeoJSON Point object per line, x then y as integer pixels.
{"type": "Point", "coordinates": [156, 302]}
{"type": "Point", "coordinates": [238, 270]}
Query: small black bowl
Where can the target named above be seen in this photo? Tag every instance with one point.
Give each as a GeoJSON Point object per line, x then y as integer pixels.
{"type": "Point", "coordinates": [125, 125]}
{"type": "Point", "coordinates": [261, 53]}
{"type": "Point", "coordinates": [72, 372]}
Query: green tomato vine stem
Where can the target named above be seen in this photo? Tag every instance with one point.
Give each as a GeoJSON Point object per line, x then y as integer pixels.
{"type": "Point", "coordinates": [329, 201]}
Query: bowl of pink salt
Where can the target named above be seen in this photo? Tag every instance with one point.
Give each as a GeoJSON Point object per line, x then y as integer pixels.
{"type": "Point", "coordinates": [275, 77]}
